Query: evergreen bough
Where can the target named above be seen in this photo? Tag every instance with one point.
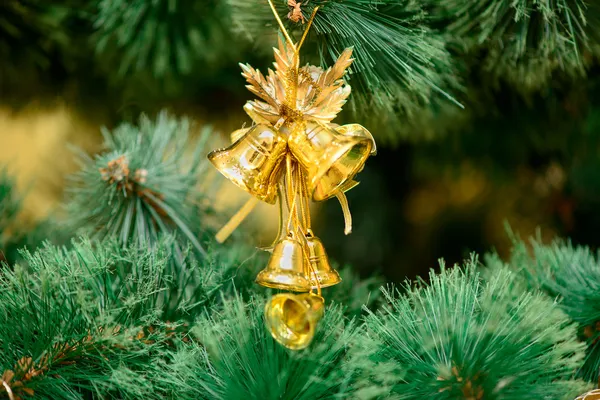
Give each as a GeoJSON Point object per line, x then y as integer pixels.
{"type": "Point", "coordinates": [571, 274]}
{"type": "Point", "coordinates": [524, 41]}
{"type": "Point", "coordinates": [143, 186]}
{"type": "Point", "coordinates": [240, 359]}
{"type": "Point", "coordinates": [164, 37]}
{"type": "Point", "coordinates": [461, 337]}
{"type": "Point", "coordinates": [76, 322]}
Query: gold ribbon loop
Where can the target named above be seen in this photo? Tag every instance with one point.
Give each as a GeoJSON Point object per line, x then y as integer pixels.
{"type": "Point", "coordinates": [9, 391]}
{"type": "Point", "coordinates": [346, 210]}
{"type": "Point", "coordinates": [236, 220]}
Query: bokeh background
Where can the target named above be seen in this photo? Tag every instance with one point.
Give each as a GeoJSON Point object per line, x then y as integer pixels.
{"type": "Point", "coordinates": [523, 151]}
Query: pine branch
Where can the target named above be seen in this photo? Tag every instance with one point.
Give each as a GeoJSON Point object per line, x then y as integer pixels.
{"type": "Point", "coordinates": [571, 274]}
{"type": "Point", "coordinates": [94, 319]}
{"type": "Point", "coordinates": [241, 360]}
{"type": "Point", "coordinates": [352, 294]}
{"type": "Point", "coordinates": [525, 42]}
{"type": "Point", "coordinates": [400, 65]}
{"type": "Point", "coordinates": [163, 36]}
{"type": "Point", "coordinates": [459, 337]}
{"type": "Point", "coordinates": [75, 322]}
{"type": "Point", "coordinates": [143, 186]}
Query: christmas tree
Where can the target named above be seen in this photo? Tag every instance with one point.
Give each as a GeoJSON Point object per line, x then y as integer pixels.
{"type": "Point", "coordinates": [127, 273]}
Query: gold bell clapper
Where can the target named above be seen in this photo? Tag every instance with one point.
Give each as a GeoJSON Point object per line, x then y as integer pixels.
{"type": "Point", "coordinates": [253, 161]}
{"type": "Point", "coordinates": [292, 154]}
{"type": "Point", "coordinates": [330, 158]}
{"type": "Point", "coordinates": [286, 268]}
{"type": "Point", "coordinates": [292, 318]}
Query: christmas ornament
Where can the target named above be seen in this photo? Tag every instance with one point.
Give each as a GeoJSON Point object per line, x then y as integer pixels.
{"type": "Point", "coordinates": [294, 153]}
{"type": "Point", "coordinates": [593, 395]}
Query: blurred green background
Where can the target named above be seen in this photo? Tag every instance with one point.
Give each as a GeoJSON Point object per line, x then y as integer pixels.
{"type": "Point", "coordinates": [524, 150]}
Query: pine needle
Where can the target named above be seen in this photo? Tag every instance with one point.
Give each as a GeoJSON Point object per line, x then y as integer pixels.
{"type": "Point", "coordinates": [459, 337]}
{"type": "Point", "coordinates": [570, 274]}
{"type": "Point", "coordinates": [145, 185]}
{"type": "Point", "coordinates": [525, 42]}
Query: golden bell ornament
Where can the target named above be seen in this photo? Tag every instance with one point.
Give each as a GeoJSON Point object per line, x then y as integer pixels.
{"type": "Point", "coordinates": [286, 268]}
{"type": "Point", "coordinates": [331, 159]}
{"type": "Point", "coordinates": [593, 395]}
{"type": "Point", "coordinates": [359, 131]}
{"type": "Point", "coordinates": [253, 162]}
{"type": "Point", "coordinates": [292, 318]}
{"type": "Point", "coordinates": [321, 274]}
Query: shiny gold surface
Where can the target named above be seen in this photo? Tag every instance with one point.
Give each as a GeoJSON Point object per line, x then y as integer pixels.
{"type": "Point", "coordinates": [294, 123]}
{"type": "Point", "coordinates": [292, 318]}
{"type": "Point", "coordinates": [253, 162]}
{"type": "Point", "coordinates": [286, 268]}
{"type": "Point", "coordinates": [238, 134]}
{"type": "Point", "coordinates": [317, 257]}
{"type": "Point", "coordinates": [329, 158]}
{"type": "Point", "coordinates": [593, 395]}
{"type": "Point", "coordinates": [359, 131]}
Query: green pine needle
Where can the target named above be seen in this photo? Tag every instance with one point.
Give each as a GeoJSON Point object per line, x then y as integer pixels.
{"type": "Point", "coordinates": [524, 41]}
{"type": "Point", "coordinates": [84, 320]}
{"type": "Point", "coordinates": [459, 337]}
{"type": "Point", "coordinates": [352, 294]}
{"type": "Point", "coordinates": [242, 361]}
{"type": "Point", "coordinates": [571, 274]}
{"type": "Point", "coordinates": [143, 186]}
{"type": "Point", "coordinates": [166, 37]}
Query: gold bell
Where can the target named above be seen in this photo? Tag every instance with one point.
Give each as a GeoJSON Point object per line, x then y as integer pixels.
{"type": "Point", "coordinates": [360, 131]}
{"type": "Point", "coordinates": [325, 275]}
{"type": "Point", "coordinates": [330, 158]}
{"type": "Point", "coordinates": [292, 318]}
{"type": "Point", "coordinates": [286, 268]}
{"type": "Point", "coordinates": [253, 162]}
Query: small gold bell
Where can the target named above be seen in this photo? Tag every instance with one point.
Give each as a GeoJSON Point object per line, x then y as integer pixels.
{"type": "Point", "coordinates": [286, 268]}
{"type": "Point", "coordinates": [292, 318]}
{"type": "Point", "coordinates": [331, 159]}
{"type": "Point", "coordinates": [317, 256]}
{"type": "Point", "coordinates": [253, 162]}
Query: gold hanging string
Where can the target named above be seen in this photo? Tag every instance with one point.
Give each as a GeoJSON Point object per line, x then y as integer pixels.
{"type": "Point", "coordinates": [292, 73]}
{"type": "Point", "coordinates": [298, 192]}
{"type": "Point", "coordinates": [304, 225]}
{"type": "Point", "coordinates": [312, 269]}
{"type": "Point", "coordinates": [291, 190]}
{"type": "Point", "coordinates": [292, 80]}
{"type": "Point", "coordinates": [305, 34]}
{"type": "Point", "coordinates": [8, 389]}
{"type": "Point", "coordinates": [283, 30]}
{"type": "Point", "coordinates": [306, 196]}
{"type": "Point", "coordinates": [346, 210]}
{"type": "Point", "coordinates": [305, 211]}
{"type": "Point", "coordinates": [280, 229]}
{"type": "Point", "coordinates": [236, 220]}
